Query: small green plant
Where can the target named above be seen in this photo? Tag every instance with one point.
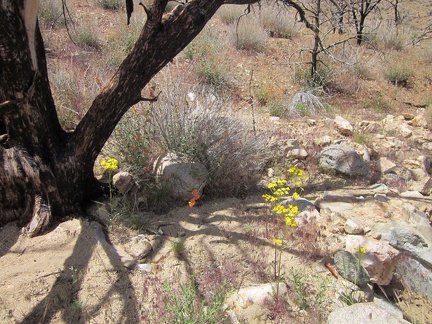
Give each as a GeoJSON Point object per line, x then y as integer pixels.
{"type": "Point", "coordinates": [360, 137]}
{"type": "Point", "coordinates": [109, 4]}
{"type": "Point", "coordinates": [207, 54]}
{"type": "Point", "coordinates": [398, 73]}
{"type": "Point", "coordinates": [277, 108]}
{"type": "Point", "coordinates": [185, 306]}
{"type": "Point", "coordinates": [178, 248]}
{"type": "Point", "coordinates": [86, 36]}
{"type": "Point", "coordinates": [300, 288]}
{"type": "Point", "coordinates": [266, 93]}
{"type": "Point", "coordinates": [50, 13]}
{"type": "Point", "coordinates": [378, 103]}
{"type": "Point", "coordinates": [132, 139]}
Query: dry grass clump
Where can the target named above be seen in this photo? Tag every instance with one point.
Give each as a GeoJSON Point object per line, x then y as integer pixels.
{"type": "Point", "coordinates": [278, 22]}
{"type": "Point", "coordinates": [50, 13]}
{"type": "Point", "coordinates": [196, 123]}
{"type": "Point", "coordinates": [249, 34]}
{"type": "Point", "coordinates": [390, 37]}
{"type": "Point", "coordinates": [110, 4]}
{"type": "Point", "coordinates": [229, 14]}
{"type": "Point", "coordinates": [73, 89]}
{"type": "Point", "coordinates": [207, 53]}
{"type": "Point", "coordinates": [86, 36]}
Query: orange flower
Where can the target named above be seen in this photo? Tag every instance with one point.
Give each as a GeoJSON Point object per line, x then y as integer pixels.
{"type": "Point", "coordinates": [195, 197]}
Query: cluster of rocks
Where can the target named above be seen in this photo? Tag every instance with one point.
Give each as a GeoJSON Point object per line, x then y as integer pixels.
{"type": "Point", "coordinates": [380, 235]}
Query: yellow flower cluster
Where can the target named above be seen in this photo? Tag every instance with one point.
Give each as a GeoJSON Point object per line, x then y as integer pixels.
{"type": "Point", "coordinates": [361, 249]}
{"type": "Point", "coordinates": [110, 164]}
{"type": "Point", "coordinates": [269, 198]}
{"type": "Point", "coordinates": [278, 241]}
{"type": "Point", "coordinates": [296, 172]}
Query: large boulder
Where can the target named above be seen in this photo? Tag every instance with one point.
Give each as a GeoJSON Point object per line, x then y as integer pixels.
{"type": "Point", "coordinates": [379, 258]}
{"type": "Point", "coordinates": [343, 159]}
{"type": "Point", "coordinates": [182, 174]}
{"type": "Point", "coordinates": [350, 268]}
{"type": "Point", "coordinates": [363, 313]}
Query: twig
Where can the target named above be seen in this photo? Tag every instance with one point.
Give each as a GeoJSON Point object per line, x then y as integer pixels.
{"type": "Point", "coordinates": [252, 103]}
{"type": "Point", "coordinates": [331, 269]}
{"type": "Point", "coordinates": [50, 274]}
{"type": "Point", "coordinates": [152, 99]}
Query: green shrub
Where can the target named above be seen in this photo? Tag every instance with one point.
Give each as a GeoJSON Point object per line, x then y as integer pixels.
{"type": "Point", "coordinates": [109, 4]}
{"type": "Point", "coordinates": [50, 13]}
{"type": "Point", "coordinates": [132, 139]}
{"type": "Point", "coordinates": [398, 73]}
{"type": "Point", "coordinates": [277, 108]}
{"type": "Point", "coordinates": [86, 36]}
{"type": "Point", "coordinates": [207, 54]}
{"type": "Point", "coordinates": [185, 305]}
{"type": "Point", "coordinates": [378, 103]}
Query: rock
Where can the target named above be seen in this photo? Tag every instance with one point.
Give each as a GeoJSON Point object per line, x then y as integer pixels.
{"type": "Point", "coordinates": [297, 153]}
{"type": "Point", "coordinates": [181, 174]}
{"type": "Point", "coordinates": [404, 236]}
{"type": "Point", "coordinates": [307, 217]}
{"type": "Point", "coordinates": [379, 260]}
{"type": "Point", "coordinates": [415, 275]}
{"type": "Point", "coordinates": [352, 227]}
{"type": "Point", "coordinates": [349, 267]}
{"type": "Point", "coordinates": [362, 313]}
{"type": "Point", "coordinates": [385, 165]}
{"type": "Point", "coordinates": [139, 247]}
{"type": "Point", "coordinates": [411, 194]}
{"type": "Point", "coordinates": [343, 159]}
{"type": "Point", "coordinates": [405, 131]}
{"type": "Point", "coordinates": [419, 121]}
{"type": "Point", "coordinates": [123, 181]}
{"type": "Point", "coordinates": [343, 126]}
{"type": "Point", "coordinates": [408, 116]}
{"type": "Point", "coordinates": [424, 186]}
{"type": "Point", "coordinates": [418, 174]}
{"type": "Point", "coordinates": [324, 140]}
{"type": "Point", "coordinates": [255, 294]}
{"type": "Point", "coordinates": [302, 203]}
{"type": "Point", "coordinates": [369, 126]}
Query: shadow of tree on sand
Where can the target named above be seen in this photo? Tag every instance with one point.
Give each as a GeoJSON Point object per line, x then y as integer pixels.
{"type": "Point", "coordinates": [63, 296]}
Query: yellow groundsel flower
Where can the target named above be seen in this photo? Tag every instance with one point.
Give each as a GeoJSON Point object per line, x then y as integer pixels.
{"type": "Point", "coordinates": [296, 195]}
{"type": "Point", "coordinates": [278, 241]}
{"type": "Point", "coordinates": [110, 164]}
{"type": "Point", "coordinates": [269, 198]}
{"type": "Point", "coordinates": [361, 249]}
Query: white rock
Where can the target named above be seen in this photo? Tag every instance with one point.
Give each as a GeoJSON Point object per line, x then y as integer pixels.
{"type": "Point", "coordinates": [379, 260]}
{"type": "Point", "coordinates": [352, 227]}
{"type": "Point", "coordinates": [385, 165]}
{"type": "Point", "coordinates": [343, 126]}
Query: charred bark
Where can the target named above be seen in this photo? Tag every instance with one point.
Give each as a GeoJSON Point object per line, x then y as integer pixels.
{"type": "Point", "coordinates": [46, 173]}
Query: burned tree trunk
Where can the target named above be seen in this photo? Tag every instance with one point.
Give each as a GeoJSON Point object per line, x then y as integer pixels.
{"type": "Point", "coordinates": [46, 173]}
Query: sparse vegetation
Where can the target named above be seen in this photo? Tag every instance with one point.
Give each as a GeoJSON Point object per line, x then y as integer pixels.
{"type": "Point", "coordinates": [248, 35]}
{"type": "Point", "coordinates": [205, 112]}
{"type": "Point", "coordinates": [398, 73]}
